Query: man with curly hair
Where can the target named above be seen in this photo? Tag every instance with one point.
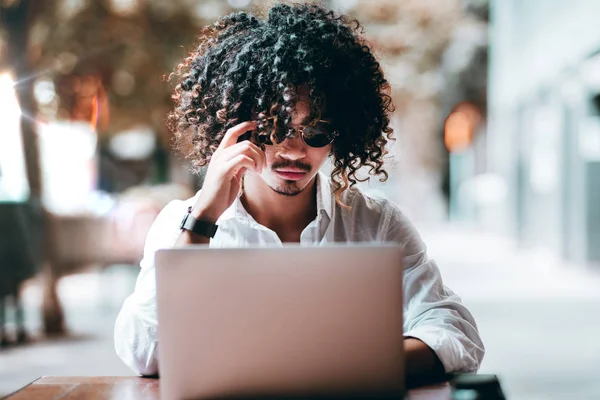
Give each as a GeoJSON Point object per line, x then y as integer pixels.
{"type": "Point", "coordinates": [265, 102]}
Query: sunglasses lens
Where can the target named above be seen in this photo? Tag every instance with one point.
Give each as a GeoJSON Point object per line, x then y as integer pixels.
{"type": "Point", "coordinates": [319, 135]}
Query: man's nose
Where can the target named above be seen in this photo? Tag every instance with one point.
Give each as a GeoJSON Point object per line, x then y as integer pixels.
{"type": "Point", "coordinates": [292, 148]}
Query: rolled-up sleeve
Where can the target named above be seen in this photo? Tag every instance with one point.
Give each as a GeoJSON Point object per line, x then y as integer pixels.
{"type": "Point", "coordinates": [437, 317]}
{"type": "Point", "coordinates": [135, 334]}
{"type": "Point", "coordinates": [432, 312]}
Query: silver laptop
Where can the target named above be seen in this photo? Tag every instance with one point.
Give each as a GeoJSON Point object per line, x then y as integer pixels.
{"type": "Point", "coordinates": [287, 321]}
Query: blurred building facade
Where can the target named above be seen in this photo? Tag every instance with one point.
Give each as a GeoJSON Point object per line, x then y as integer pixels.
{"type": "Point", "coordinates": [543, 136]}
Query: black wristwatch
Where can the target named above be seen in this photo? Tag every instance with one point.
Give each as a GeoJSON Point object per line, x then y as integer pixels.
{"type": "Point", "coordinates": [198, 226]}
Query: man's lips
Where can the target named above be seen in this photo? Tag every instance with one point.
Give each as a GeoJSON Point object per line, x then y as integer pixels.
{"type": "Point", "coordinates": [291, 174]}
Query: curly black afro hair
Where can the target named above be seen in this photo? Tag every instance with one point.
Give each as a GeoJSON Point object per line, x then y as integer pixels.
{"type": "Point", "coordinates": [248, 68]}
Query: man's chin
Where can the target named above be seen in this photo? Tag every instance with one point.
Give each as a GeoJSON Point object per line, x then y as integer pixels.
{"type": "Point", "coordinates": [287, 189]}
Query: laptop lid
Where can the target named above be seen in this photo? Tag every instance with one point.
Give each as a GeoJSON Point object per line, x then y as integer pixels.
{"type": "Point", "coordinates": [290, 320]}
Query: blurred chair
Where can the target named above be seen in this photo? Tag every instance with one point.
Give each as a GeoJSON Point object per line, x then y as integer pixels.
{"type": "Point", "coordinates": [79, 241]}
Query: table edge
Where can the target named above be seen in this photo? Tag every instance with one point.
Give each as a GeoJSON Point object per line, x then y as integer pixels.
{"type": "Point", "coordinates": [8, 396]}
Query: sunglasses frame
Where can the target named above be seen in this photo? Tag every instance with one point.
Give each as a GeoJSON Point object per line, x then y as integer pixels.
{"type": "Point", "coordinates": [300, 130]}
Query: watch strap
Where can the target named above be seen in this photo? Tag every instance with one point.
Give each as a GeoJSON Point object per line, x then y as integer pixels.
{"type": "Point", "coordinates": [198, 226]}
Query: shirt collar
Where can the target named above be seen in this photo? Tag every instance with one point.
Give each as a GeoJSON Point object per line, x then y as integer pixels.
{"type": "Point", "coordinates": [324, 195]}
{"type": "Point", "coordinates": [324, 202]}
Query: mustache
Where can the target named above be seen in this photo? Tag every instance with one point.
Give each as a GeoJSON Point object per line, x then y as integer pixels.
{"type": "Point", "coordinates": [291, 164]}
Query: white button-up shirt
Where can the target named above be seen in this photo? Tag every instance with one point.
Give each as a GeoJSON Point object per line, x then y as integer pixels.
{"type": "Point", "coordinates": [432, 312]}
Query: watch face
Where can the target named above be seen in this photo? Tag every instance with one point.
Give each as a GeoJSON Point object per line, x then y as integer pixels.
{"type": "Point", "coordinates": [204, 228]}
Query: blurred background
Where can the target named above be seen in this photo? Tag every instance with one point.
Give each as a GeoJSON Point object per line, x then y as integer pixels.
{"type": "Point", "coordinates": [497, 161]}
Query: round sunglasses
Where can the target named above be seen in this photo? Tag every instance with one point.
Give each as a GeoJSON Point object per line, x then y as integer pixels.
{"type": "Point", "coordinates": [319, 134]}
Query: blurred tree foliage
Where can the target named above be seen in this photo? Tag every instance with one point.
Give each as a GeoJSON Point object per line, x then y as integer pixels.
{"type": "Point", "coordinates": [125, 47]}
{"type": "Point", "coordinates": [106, 59]}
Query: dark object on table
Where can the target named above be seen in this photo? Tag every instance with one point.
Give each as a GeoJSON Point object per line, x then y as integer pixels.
{"type": "Point", "coordinates": [476, 387]}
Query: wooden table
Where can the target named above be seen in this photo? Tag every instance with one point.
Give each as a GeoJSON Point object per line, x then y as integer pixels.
{"type": "Point", "coordinates": [137, 388]}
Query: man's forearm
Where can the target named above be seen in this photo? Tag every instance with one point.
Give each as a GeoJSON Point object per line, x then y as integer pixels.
{"type": "Point", "coordinates": [422, 365]}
